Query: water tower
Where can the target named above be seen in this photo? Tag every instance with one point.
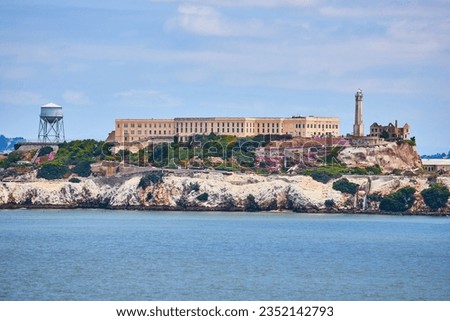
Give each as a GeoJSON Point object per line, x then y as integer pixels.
{"type": "Point", "coordinates": [51, 124]}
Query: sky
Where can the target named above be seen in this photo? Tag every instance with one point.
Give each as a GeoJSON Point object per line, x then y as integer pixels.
{"type": "Point", "coordinates": [108, 59]}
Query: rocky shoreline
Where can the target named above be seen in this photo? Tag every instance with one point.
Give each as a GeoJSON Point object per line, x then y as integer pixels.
{"type": "Point", "coordinates": [213, 191]}
{"type": "Point", "coordinates": [218, 209]}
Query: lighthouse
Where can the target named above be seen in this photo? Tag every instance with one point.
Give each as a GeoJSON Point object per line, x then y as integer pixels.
{"type": "Point", "coordinates": [358, 127]}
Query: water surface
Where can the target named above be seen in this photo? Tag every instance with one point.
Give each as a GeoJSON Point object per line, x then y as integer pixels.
{"type": "Point", "coordinates": [128, 255]}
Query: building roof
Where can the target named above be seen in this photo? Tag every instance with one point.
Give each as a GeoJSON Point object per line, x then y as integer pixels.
{"type": "Point", "coordinates": [52, 105]}
{"type": "Point", "coordinates": [436, 162]}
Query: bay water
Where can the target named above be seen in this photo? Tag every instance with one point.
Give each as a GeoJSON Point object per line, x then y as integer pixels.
{"type": "Point", "coordinates": [138, 255]}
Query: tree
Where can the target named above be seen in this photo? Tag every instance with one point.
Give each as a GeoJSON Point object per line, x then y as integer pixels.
{"type": "Point", "coordinates": [45, 151]}
{"type": "Point", "coordinates": [436, 196]}
{"type": "Point", "coordinates": [345, 186]}
{"type": "Point", "coordinates": [52, 171]}
{"type": "Point", "coordinates": [82, 169]}
{"type": "Point", "coordinates": [400, 201]}
{"type": "Point", "coordinates": [12, 159]}
{"type": "Point", "coordinates": [329, 203]}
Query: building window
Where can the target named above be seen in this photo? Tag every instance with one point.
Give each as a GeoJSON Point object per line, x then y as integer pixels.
{"type": "Point", "coordinates": [125, 125]}
{"type": "Point", "coordinates": [132, 125]}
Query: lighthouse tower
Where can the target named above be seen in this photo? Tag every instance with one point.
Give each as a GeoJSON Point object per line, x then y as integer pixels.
{"type": "Point", "coordinates": [358, 127]}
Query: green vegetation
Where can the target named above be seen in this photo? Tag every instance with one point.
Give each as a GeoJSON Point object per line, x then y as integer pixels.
{"type": "Point", "coordinates": [331, 157]}
{"type": "Point", "coordinates": [411, 141]}
{"type": "Point", "coordinates": [151, 178]}
{"type": "Point", "coordinates": [203, 197]}
{"type": "Point", "coordinates": [374, 197]}
{"type": "Point", "coordinates": [400, 201]}
{"type": "Point", "coordinates": [80, 150]}
{"type": "Point", "coordinates": [74, 180]}
{"type": "Point", "coordinates": [345, 186]}
{"type": "Point", "coordinates": [330, 203]}
{"type": "Point", "coordinates": [326, 173]}
{"type": "Point", "coordinates": [83, 168]}
{"type": "Point", "coordinates": [11, 160]}
{"type": "Point", "coordinates": [53, 170]}
{"type": "Point", "coordinates": [45, 151]}
{"type": "Point", "coordinates": [436, 196]}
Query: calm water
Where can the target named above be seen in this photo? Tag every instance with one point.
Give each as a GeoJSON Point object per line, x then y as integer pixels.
{"type": "Point", "coordinates": [127, 255]}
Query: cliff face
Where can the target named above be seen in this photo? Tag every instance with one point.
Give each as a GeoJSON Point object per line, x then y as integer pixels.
{"type": "Point", "coordinates": [205, 191]}
{"type": "Point", "coordinates": [389, 157]}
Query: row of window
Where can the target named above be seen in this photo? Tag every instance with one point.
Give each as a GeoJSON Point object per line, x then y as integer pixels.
{"type": "Point", "coordinates": [140, 125]}
{"type": "Point", "coordinates": [195, 124]}
{"type": "Point", "coordinates": [324, 126]}
{"type": "Point", "coordinates": [145, 132]}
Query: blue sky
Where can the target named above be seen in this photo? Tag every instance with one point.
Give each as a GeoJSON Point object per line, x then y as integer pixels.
{"type": "Point", "coordinates": [103, 60]}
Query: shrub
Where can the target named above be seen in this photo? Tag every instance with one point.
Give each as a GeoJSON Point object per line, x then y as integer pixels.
{"type": "Point", "coordinates": [12, 159]}
{"type": "Point", "coordinates": [436, 196]}
{"type": "Point", "coordinates": [203, 197]}
{"type": "Point", "coordinates": [330, 203]}
{"type": "Point", "coordinates": [321, 176]}
{"type": "Point", "coordinates": [400, 201]}
{"type": "Point", "coordinates": [151, 178]}
{"type": "Point", "coordinates": [374, 197]}
{"type": "Point", "coordinates": [45, 151]}
{"type": "Point", "coordinates": [83, 168]}
{"type": "Point", "coordinates": [74, 180]}
{"type": "Point", "coordinates": [52, 171]}
{"type": "Point", "coordinates": [374, 170]}
{"type": "Point", "coordinates": [345, 186]}
{"type": "Point", "coordinates": [326, 173]}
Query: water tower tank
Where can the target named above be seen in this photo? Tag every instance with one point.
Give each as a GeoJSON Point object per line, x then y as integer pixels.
{"type": "Point", "coordinates": [51, 124]}
{"type": "Point", "coordinates": [51, 112]}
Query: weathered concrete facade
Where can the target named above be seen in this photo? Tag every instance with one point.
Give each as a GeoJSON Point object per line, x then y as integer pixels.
{"type": "Point", "coordinates": [141, 130]}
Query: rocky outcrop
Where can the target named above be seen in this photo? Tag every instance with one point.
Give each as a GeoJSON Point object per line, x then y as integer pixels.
{"type": "Point", "coordinates": [206, 191]}
{"type": "Point", "coordinates": [392, 156]}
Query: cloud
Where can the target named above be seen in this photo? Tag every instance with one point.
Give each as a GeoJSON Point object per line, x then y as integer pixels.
{"type": "Point", "coordinates": [146, 98]}
{"type": "Point", "coordinates": [251, 3]}
{"type": "Point", "coordinates": [76, 98]}
{"type": "Point", "coordinates": [21, 98]}
{"type": "Point", "coordinates": [18, 73]}
{"type": "Point", "coordinates": [207, 21]}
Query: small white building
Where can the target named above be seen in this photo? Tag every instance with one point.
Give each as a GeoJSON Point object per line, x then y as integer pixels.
{"type": "Point", "coordinates": [440, 166]}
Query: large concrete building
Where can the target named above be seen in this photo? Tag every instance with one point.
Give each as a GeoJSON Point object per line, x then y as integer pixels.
{"type": "Point", "coordinates": [154, 130]}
